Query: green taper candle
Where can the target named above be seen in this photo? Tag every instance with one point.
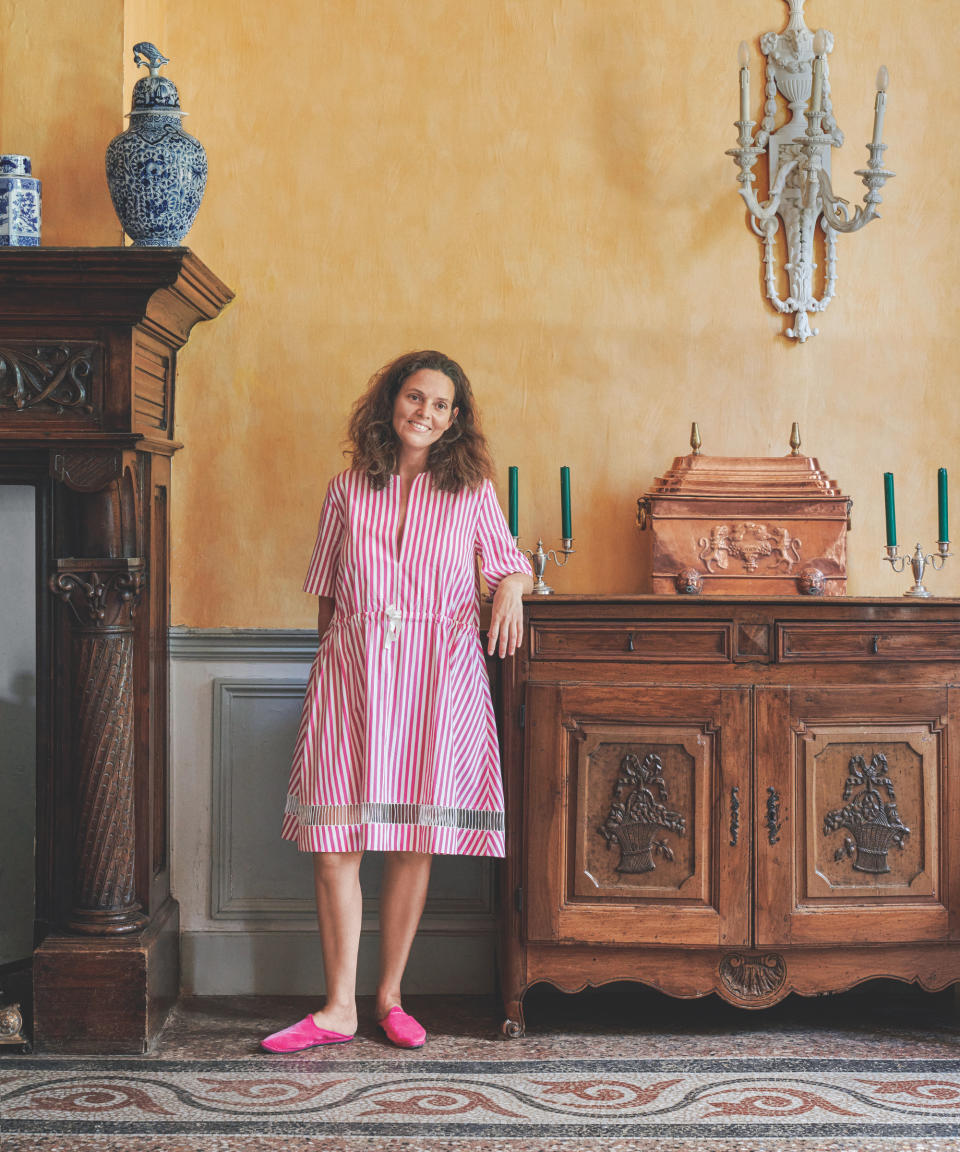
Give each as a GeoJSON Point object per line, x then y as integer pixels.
{"type": "Point", "coordinates": [514, 504]}
{"type": "Point", "coordinates": [942, 504]}
{"type": "Point", "coordinates": [890, 510]}
{"type": "Point", "coordinates": [565, 502]}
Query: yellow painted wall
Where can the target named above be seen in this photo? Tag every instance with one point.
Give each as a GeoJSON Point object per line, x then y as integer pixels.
{"type": "Point", "coordinates": [142, 20]}
{"type": "Point", "coordinates": [539, 188]}
{"type": "Point", "coordinates": [60, 104]}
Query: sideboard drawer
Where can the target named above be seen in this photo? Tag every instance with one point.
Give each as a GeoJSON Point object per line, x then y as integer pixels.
{"type": "Point", "coordinates": [808, 642]}
{"type": "Point", "coordinates": [640, 642]}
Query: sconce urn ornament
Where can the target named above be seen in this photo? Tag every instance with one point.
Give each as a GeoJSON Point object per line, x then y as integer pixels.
{"type": "Point", "coordinates": [156, 172]}
{"type": "Point", "coordinates": [800, 192]}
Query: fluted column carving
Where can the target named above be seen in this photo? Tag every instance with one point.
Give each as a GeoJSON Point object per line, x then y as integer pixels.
{"type": "Point", "coordinates": [102, 595]}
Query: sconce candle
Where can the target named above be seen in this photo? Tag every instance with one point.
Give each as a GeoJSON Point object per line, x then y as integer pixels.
{"type": "Point", "coordinates": [819, 48]}
{"type": "Point", "coordinates": [514, 506]}
{"type": "Point", "coordinates": [567, 531]}
{"type": "Point", "coordinates": [883, 79]}
{"type": "Point", "coordinates": [942, 505]}
{"type": "Point", "coordinates": [743, 55]}
{"type": "Point", "coordinates": [889, 509]}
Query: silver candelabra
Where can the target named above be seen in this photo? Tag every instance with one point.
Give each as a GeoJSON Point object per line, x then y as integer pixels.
{"type": "Point", "coordinates": [539, 560]}
{"type": "Point", "coordinates": [918, 562]}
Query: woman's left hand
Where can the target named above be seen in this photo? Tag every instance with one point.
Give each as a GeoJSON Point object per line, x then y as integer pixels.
{"type": "Point", "coordinates": [506, 622]}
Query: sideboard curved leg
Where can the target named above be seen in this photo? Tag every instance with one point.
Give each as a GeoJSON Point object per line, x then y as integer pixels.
{"type": "Point", "coordinates": [513, 1028]}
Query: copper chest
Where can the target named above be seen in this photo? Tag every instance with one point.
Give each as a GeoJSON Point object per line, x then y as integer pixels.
{"type": "Point", "coordinates": [751, 526]}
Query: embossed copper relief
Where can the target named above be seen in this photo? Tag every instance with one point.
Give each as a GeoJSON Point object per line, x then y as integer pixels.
{"type": "Point", "coordinates": [748, 525]}
{"type": "Point", "coordinates": [637, 818]}
{"type": "Point", "coordinates": [874, 824]}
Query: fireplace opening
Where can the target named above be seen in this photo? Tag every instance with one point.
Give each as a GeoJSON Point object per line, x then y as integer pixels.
{"type": "Point", "coordinates": [18, 732]}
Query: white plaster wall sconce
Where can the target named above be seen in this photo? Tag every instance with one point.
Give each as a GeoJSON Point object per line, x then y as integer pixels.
{"type": "Point", "coordinates": [800, 193]}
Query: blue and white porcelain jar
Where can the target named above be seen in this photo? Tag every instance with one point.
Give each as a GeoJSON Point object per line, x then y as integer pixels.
{"type": "Point", "coordinates": [156, 172]}
{"type": "Point", "coordinates": [19, 203]}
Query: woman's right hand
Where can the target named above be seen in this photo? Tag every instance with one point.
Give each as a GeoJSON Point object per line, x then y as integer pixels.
{"type": "Point", "coordinates": [506, 620]}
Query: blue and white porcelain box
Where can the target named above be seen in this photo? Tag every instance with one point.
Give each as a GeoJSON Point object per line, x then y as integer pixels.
{"type": "Point", "coordinates": [19, 203]}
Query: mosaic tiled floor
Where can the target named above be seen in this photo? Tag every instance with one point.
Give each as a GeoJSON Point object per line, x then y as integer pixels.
{"type": "Point", "coordinates": [620, 1068]}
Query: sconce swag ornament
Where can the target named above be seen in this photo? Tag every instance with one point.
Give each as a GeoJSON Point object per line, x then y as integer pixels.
{"type": "Point", "coordinates": [800, 191]}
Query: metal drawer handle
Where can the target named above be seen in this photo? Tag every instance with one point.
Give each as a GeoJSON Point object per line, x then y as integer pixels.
{"type": "Point", "coordinates": [875, 645]}
{"type": "Point", "coordinates": [774, 823]}
{"type": "Point", "coordinates": [630, 644]}
{"type": "Point", "coordinates": [734, 816]}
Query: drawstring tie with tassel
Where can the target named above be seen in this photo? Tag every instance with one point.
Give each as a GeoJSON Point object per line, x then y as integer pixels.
{"type": "Point", "coordinates": [391, 625]}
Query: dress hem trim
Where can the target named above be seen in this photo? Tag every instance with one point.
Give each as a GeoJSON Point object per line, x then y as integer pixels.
{"type": "Point", "coordinates": [418, 815]}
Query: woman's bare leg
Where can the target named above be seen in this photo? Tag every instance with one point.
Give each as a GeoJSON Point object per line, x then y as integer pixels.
{"type": "Point", "coordinates": [406, 876]}
{"type": "Point", "coordinates": [336, 878]}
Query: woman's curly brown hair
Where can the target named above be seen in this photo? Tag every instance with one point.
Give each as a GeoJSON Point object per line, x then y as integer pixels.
{"type": "Point", "coordinates": [459, 459]}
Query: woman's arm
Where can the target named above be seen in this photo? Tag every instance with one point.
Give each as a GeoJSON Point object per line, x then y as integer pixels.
{"type": "Point", "coordinates": [506, 621]}
{"type": "Point", "coordinates": [324, 614]}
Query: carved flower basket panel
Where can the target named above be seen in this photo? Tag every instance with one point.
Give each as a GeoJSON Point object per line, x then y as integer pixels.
{"type": "Point", "coordinates": [638, 826]}
{"type": "Point", "coordinates": [871, 811]}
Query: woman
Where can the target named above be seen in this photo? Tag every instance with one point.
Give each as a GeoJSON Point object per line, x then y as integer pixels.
{"type": "Point", "coordinates": [397, 749]}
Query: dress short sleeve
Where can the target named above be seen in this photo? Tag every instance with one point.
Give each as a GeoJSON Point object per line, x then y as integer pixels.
{"type": "Point", "coordinates": [322, 574]}
{"type": "Point", "coordinates": [499, 556]}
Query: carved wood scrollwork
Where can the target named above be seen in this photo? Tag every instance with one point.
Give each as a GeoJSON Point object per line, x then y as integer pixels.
{"type": "Point", "coordinates": [102, 595]}
{"type": "Point", "coordinates": [753, 976]}
{"type": "Point", "coordinates": [101, 601]}
{"type": "Point", "coordinates": [57, 376]}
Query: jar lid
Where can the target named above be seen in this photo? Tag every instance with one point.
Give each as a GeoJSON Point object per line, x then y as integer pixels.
{"type": "Point", "coordinates": [12, 165]}
{"type": "Point", "coordinates": [153, 93]}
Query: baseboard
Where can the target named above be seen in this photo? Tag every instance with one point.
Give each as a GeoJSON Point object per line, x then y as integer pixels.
{"type": "Point", "coordinates": [290, 963]}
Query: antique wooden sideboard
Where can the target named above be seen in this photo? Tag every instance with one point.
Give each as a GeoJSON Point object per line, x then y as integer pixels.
{"type": "Point", "coordinates": [88, 352]}
{"type": "Point", "coordinates": [742, 796]}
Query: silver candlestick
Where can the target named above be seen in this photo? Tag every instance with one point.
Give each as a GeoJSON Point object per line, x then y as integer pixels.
{"type": "Point", "coordinates": [918, 563]}
{"type": "Point", "coordinates": [539, 561]}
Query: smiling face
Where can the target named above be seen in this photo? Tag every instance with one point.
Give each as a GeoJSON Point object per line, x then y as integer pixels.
{"type": "Point", "coordinates": [422, 411]}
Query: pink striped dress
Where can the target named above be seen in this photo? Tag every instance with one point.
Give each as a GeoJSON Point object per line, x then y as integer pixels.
{"type": "Point", "coordinates": [397, 748]}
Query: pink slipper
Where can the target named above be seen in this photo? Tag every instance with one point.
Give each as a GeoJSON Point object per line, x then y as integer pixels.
{"type": "Point", "coordinates": [402, 1029]}
{"type": "Point", "coordinates": [303, 1034]}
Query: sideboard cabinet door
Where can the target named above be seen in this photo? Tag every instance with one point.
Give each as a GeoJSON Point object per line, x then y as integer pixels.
{"type": "Point", "coordinates": [636, 827]}
{"type": "Point", "coordinates": [850, 799]}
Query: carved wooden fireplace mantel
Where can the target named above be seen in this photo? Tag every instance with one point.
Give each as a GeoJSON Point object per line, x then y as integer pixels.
{"type": "Point", "coordinates": [88, 344]}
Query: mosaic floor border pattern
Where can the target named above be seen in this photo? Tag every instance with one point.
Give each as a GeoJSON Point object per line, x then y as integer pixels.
{"type": "Point", "coordinates": [694, 1099]}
